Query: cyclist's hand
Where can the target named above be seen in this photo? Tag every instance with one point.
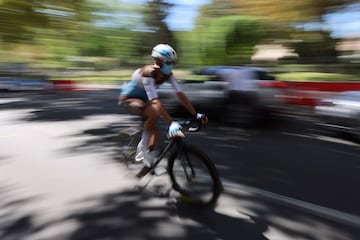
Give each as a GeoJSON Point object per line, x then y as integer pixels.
{"type": "Point", "coordinates": [201, 117]}
{"type": "Point", "coordinates": [175, 129]}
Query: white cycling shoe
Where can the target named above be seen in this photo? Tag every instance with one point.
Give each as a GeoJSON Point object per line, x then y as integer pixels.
{"type": "Point", "coordinates": [139, 155]}
{"type": "Point", "coordinates": [148, 158]}
{"type": "Point", "coordinates": [144, 155]}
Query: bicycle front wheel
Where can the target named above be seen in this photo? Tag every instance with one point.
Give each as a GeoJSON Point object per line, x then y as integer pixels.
{"type": "Point", "coordinates": [194, 176]}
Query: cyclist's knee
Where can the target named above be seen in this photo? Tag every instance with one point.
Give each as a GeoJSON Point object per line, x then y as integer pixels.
{"type": "Point", "coordinates": [151, 115]}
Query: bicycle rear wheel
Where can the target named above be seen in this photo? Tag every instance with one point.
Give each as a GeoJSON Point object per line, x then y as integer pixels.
{"type": "Point", "coordinates": [194, 176]}
{"type": "Point", "coordinates": [128, 139]}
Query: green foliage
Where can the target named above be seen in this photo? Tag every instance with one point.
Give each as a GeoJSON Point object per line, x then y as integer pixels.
{"type": "Point", "coordinates": [67, 28]}
{"type": "Point", "coordinates": [188, 49]}
{"type": "Point", "coordinates": [14, 17]}
{"type": "Point", "coordinates": [316, 46]}
{"type": "Point", "coordinates": [278, 18]}
{"type": "Point", "coordinates": [126, 31]}
{"type": "Point", "coordinates": [20, 18]}
{"type": "Point", "coordinates": [316, 76]}
{"type": "Point", "coordinates": [229, 40]}
{"type": "Point", "coordinates": [277, 11]}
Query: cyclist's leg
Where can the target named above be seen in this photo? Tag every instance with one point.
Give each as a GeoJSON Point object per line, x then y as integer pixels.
{"type": "Point", "coordinates": [149, 138]}
{"type": "Point", "coordinates": [151, 115]}
{"type": "Point", "coordinates": [134, 106]}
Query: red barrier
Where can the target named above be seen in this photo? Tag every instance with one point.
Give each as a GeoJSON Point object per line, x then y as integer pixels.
{"type": "Point", "coordinates": [325, 86]}
{"type": "Point", "coordinates": [308, 93]}
{"type": "Point", "coordinates": [67, 85]}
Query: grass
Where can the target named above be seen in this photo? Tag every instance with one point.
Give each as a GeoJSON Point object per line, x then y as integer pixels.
{"type": "Point", "coordinates": [316, 76]}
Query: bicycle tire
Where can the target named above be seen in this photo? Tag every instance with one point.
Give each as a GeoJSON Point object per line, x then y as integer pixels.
{"type": "Point", "coordinates": [129, 139]}
{"type": "Point", "coordinates": [204, 187]}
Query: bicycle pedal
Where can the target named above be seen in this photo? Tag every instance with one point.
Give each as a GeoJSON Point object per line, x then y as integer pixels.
{"type": "Point", "coordinates": [145, 170]}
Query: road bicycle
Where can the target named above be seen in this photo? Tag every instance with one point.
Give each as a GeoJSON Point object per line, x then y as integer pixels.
{"type": "Point", "coordinates": [192, 174]}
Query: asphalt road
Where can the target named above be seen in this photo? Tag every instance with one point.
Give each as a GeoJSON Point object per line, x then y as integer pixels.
{"type": "Point", "coordinates": [62, 177]}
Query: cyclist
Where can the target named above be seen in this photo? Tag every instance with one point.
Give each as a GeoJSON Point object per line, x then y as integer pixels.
{"type": "Point", "coordinates": [139, 97]}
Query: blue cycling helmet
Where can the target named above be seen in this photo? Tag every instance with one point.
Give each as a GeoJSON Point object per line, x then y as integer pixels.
{"type": "Point", "coordinates": [164, 52]}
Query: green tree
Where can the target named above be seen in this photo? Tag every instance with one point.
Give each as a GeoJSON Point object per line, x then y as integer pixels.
{"type": "Point", "coordinates": [19, 18]}
{"type": "Point", "coordinates": [64, 28]}
{"type": "Point", "coordinates": [228, 40]}
{"type": "Point", "coordinates": [276, 10]}
{"type": "Point", "coordinates": [156, 30]}
{"type": "Point", "coordinates": [281, 20]}
{"type": "Point", "coordinates": [278, 17]}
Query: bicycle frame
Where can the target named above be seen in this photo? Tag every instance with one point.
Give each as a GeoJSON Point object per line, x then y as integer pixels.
{"type": "Point", "coordinates": [178, 141]}
{"type": "Point", "coordinates": [174, 141]}
{"type": "Point", "coordinates": [169, 144]}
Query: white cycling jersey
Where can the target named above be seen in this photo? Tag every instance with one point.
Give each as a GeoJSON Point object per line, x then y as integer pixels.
{"type": "Point", "coordinates": [145, 87]}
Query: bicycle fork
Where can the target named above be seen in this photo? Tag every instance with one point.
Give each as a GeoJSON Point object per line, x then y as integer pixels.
{"type": "Point", "coordinates": [185, 162]}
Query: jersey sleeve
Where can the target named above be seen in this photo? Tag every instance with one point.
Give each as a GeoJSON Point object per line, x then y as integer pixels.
{"type": "Point", "coordinates": [149, 86]}
{"type": "Point", "coordinates": [175, 84]}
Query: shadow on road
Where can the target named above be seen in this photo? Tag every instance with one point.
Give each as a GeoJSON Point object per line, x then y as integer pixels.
{"type": "Point", "coordinates": [284, 221]}
{"type": "Point", "coordinates": [130, 214]}
{"type": "Point", "coordinates": [14, 223]}
{"type": "Point", "coordinates": [224, 226]}
{"type": "Point", "coordinates": [58, 105]}
{"type": "Point", "coordinates": [134, 215]}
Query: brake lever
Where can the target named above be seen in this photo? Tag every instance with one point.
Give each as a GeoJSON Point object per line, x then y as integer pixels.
{"type": "Point", "coordinates": [193, 129]}
{"type": "Point", "coordinates": [198, 126]}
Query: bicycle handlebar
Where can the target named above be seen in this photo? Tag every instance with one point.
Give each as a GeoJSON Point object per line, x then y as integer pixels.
{"type": "Point", "coordinates": [194, 125]}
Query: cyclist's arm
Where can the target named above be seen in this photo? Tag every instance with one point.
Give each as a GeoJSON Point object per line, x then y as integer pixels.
{"type": "Point", "coordinates": [181, 96]}
{"type": "Point", "coordinates": [149, 86]}
{"type": "Point", "coordinates": [185, 101]}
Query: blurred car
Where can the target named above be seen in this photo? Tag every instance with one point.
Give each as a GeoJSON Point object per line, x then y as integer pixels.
{"type": "Point", "coordinates": [235, 94]}
{"type": "Point", "coordinates": [340, 112]}
{"type": "Point", "coordinates": [19, 76]}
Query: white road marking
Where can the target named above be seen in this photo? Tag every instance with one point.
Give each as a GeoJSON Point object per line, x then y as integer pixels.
{"type": "Point", "coordinates": [323, 138]}
{"type": "Point", "coordinates": [324, 212]}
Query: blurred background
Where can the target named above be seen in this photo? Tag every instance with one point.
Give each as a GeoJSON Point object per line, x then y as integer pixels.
{"type": "Point", "coordinates": [275, 141]}
{"type": "Point", "coordinates": [103, 41]}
